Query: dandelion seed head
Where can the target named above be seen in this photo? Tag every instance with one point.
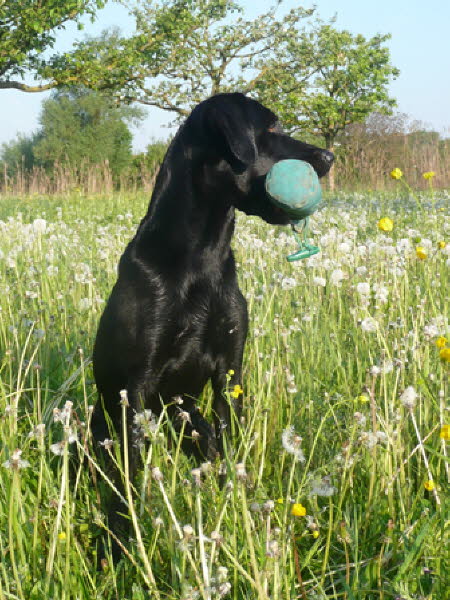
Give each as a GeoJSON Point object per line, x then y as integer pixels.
{"type": "Point", "coordinates": [15, 462]}
{"type": "Point", "coordinates": [408, 397]}
{"type": "Point", "coordinates": [288, 283]}
{"type": "Point", "coordinates": [217, 538]}
{"type": "Point", "coordinates": [360, 418]}
{"type": "Point", "coordinates": [222, 573]}
{"type": "Point", "coordinates": [241, 473]}
{"type": "Point", "coordinates": [320, 281]}
{"type": "Point", "coordinates": [38, 432]}
{"type": "Point", "coordinates": [273, 549]}
{"type": "Point", "coordinates": [369, 325]}
{"type": "Point", "coordinates": [337, 276]}
{"type": "Point", "coordinates": [368, 439]}
{"type": "Point", "coordinates": [322, 487]}
{"type": "Point", "coordinates": [363, 288]}
{"type": "Point", "coordinates": [84, 304]}
{"type": "Point", "coordinates": [195, 435]}
{"type": "Point", "coordinates": [58, 448]}
{"type": "Point", "coordinates": [107, 444]}
{"type": "Point", "coordinates": [188, 531]}
{"type": "Point", "coordinates": [268, 506]}
{"type": "Point", "coordinates": [224, 589]}
{"type": "Point", "coordinates": [292, 443]}
{"type": "Point", "coordinates": [124, 398]}
{"type": "Point", "coordinates": [72, 435]}
{"type": "Point", "coordinates": [184, 416]}
{"type": "Point", "coordinates": [157, 474]}
{"type": "Point", "coordinates": [197, 476]}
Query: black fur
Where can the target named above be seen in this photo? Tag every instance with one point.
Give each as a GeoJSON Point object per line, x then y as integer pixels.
{"type": "Point", "coordinates": [176, 317]}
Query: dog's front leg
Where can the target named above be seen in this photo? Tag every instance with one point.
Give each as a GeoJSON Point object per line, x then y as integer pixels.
{"type": "Point", "coordinates": [199, 439]}
{"type": "Point", "coordinates": [114, 405]}
{"type": "Point", "coordinates": [227, 379]}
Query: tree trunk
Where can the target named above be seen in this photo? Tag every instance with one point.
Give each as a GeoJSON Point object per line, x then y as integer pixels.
{"type": "Point", "coordinates": [329, 144]}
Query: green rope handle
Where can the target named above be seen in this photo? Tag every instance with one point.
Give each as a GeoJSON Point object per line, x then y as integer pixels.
{"type": "Point", "coordinates": [305, 250]}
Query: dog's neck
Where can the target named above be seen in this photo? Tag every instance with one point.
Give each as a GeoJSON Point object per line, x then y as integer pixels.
{"type": "Point", "coordinates": [180, 223]}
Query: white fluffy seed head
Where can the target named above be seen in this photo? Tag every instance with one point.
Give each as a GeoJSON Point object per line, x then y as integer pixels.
{"type": "Point", "coordinates": [241, 473]}
{"type": "Point", "coordinates": [124, 397]}
{"type": "Point", "coordinates": [409, 397]}
{"type": "Point", "coordinates": [156, 474]}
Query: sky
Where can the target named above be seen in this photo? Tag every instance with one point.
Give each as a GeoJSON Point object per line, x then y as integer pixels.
{"type": "Point", "coordinates": [420, 48]}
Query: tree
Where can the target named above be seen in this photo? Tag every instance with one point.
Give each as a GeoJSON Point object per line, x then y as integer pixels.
{"type": "Point", "coordinates": [84, 127]}
{"type": "Point", "coordinates": [27, 29]}
{"type": "Point", "coordinates": [350, 82]}
{"type": "Point", "coordinates": [184, 51]}
{"type": "Point", "coordinates": [18, 154]}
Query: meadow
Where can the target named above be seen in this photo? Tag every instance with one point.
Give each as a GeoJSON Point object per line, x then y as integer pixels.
{"type": "Point", "coordinates": [337, 485]}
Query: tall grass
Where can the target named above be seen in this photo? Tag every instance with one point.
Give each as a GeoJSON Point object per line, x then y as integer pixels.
{"type": "Point", "coordinates": [363, 160]}
{"type": "Point", "coordinates": [337, 485]}
{"type": "Point", "coordinates": [65, 178]}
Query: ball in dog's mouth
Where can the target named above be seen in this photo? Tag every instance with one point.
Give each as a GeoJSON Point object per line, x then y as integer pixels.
{"type": "Point", "coordinates": [293, 188]}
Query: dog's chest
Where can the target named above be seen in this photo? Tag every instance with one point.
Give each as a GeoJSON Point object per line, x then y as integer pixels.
{"type": "Point", "coordinates": [201, 322]}
{"type": "Point", "coordinates": [191, 350]}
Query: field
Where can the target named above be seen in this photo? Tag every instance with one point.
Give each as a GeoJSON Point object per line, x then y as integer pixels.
{"type": "Point", "coordinates": [338, 484]}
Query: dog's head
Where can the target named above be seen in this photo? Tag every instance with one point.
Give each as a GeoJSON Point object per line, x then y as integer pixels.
{"type": "Point", "coordinates": [238, 140]}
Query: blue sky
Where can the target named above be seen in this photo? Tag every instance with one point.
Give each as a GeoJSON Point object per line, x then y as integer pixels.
{"type": "Point", "coordinates": [420, 48]}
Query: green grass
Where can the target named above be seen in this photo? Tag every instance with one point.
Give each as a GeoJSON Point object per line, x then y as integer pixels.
{"type": "Point", "coordinates": [324, 359]}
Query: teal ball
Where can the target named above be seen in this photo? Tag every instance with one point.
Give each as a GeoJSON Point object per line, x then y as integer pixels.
{"type": "Point", "coordinates": [293, 186]}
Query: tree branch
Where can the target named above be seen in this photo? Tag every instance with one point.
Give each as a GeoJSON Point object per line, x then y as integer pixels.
{"type": "Point", "coordinates": [23, 87]}
{"type": "Point", "coordinates": [169, 106]}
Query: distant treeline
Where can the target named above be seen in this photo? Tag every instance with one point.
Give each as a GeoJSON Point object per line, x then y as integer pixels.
{"type": "Point", "coordinates": [84, 143]}
{"type": "Point", "coordinates": [363, 161]}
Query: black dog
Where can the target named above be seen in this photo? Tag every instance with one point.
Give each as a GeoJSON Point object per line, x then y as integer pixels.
{"type": "Point", "coordinates": [176, 317]}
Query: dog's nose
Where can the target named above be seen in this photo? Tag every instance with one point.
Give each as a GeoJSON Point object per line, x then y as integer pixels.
{"type": "Point", "coordinates": [327, 156]}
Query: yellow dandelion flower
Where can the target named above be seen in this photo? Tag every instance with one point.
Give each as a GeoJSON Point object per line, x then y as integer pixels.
{"type": "Point", "coordinates": [429, 175]}
{"type": "Point", "coordinates": [231, 372]}
{"type": "Point", "coordinates": [441, 342]}
{"type": "Point", "coordinates": [363, 398]}
{"type": "Point", "coordinates": [315, 534]}
{"type": "Point", "coordinates": [280, 501]}
{"type": "Point", "coordinates": [298, 510]}
{"type": "Point", "coordinates": [396, 173]}
{"type": "Point", "coordinates": [445, 433]}
{"type": "Point", "coordinates": [442, 244]}
{"type": "Point", "coordinates": [421, 252]}
{"type": "Point", "coordinates": [429, 485]}
{"type": "Point", "coordinates": [386, 224]}
{"type": "Point", "coordinates": [444, 354]}
{"type": "Point", "coordinates": [62, 535]}
{"type": "Point", "coordinates": [237, 391]}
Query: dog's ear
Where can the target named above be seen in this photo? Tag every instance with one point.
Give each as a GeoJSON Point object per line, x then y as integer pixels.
{"type": "Point", "coordinates": [229, 125]}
